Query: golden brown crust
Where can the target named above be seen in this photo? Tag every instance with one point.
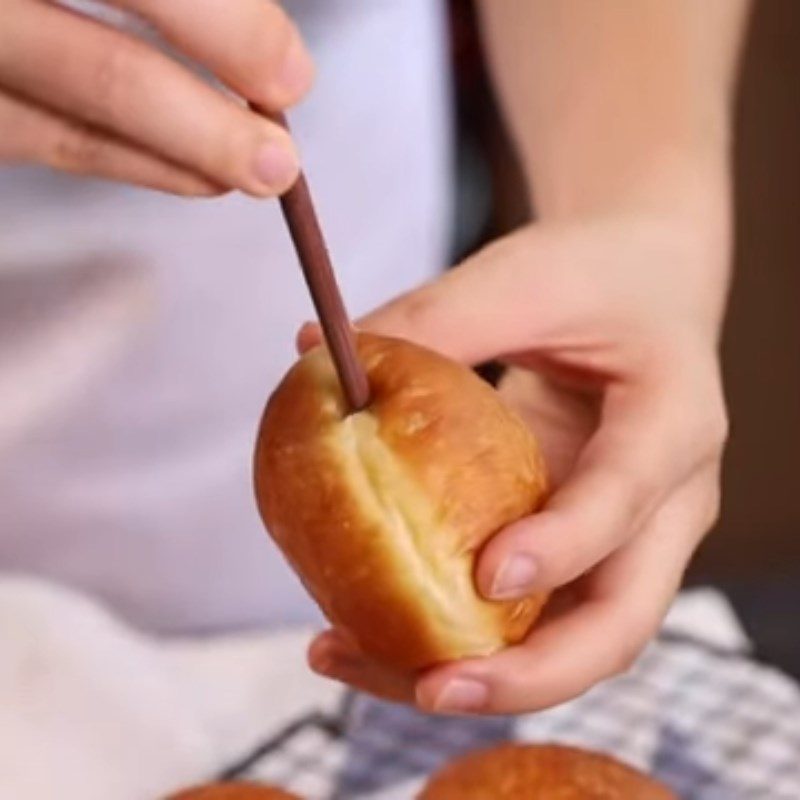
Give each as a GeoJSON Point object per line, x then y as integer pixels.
{"type": "Point", "coordinates": [381, 513]}
{"type": "Point", "coordinates": [234, 791]}
{"type": "Point", "coordinates": [541, 772]}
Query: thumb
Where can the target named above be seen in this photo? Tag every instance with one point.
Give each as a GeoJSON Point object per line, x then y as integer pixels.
{"type": "Point", "coordinates": [473, 313]}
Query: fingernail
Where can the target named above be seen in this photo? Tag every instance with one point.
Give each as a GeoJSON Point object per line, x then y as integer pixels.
{"type": "Point", "coordinates": [295, 72]}
{"type": "Point", "coordinates": [515, 578]}
{"type": "Point", "coordinates": [462, 694]}
{"type": "Point", "coordinates": [275, 166]}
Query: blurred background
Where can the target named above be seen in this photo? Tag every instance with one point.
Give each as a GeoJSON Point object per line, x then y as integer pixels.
{"type": "Point", "coordinates": [754, 553]}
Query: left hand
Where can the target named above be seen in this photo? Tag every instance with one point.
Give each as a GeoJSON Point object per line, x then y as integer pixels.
{"type": "Point", "coordinates": [614, 322]}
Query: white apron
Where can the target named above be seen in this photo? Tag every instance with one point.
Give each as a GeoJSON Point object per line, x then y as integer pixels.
{"type": "Point", "coordinates": [141, 334]}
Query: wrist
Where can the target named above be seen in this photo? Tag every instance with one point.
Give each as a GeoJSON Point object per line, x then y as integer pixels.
{"type": "Point", "coordinates": [673, 210]}
{"type": "Point", "coordinates": [682, 195]}
{"type": "Point", "coordinates": [664, 178]}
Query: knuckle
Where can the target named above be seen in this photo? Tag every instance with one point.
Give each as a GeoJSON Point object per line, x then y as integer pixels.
{"type": "Point", "coordinates": [713, 510]}
{"type": "Point", "coordinates": [222, 156]}
{"type": "Point", "coordinates": [638, 628]}
{"type": "Point", "coordinates": [623, 659]}
{"type": "Point", "coordinates": [720, 427]}
{"type": "Point", "coordinates": [631, 489]}
{"type": "Point", "coordinates": [78, 149]}
{"type": "Point", "coordinates": [267, 45]}
{"type": "Point", "coordinates": [712, 506]}
{"type": "Point", "coordinates": [418, 308]}
{"type": "Point", "coordinates": [558, 569]}
{"type": "Point", "coordinates": [639, 489]}
{"type": "Point", "coordinates": [558, 566]}
{"type": "Point", "coordinates": [712, 423]}
{"type": "Point", "coordinates": [712, 432]}
{"type": "Point", "coordinates": [13, 127]}
{"type": "Point", "coordinates": [116, 67]}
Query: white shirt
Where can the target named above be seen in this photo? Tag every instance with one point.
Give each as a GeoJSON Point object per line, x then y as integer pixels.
{"type": "Point", "coordinates": [141, 334]}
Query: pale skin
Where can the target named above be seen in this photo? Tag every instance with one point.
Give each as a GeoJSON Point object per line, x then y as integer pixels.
{"type": "Point", "coordinates": [608, 306]}
{"type": "Point", "coordinates": [83, 97]}
{"type": "Point", "coordinates": [621, 114]}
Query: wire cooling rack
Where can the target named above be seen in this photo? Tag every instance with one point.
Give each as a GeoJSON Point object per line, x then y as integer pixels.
{"type": "Point", "coordinates": [710, 723]}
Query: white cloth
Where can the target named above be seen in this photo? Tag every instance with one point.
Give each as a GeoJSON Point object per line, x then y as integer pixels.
{"type": "Point", "coordinates": [141, 334]}
{"type": "Point", "coordinates": [92, 710]}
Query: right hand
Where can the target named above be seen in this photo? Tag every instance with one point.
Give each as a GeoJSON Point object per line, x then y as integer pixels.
{"type": "Point", "coordinates": [84, 97]}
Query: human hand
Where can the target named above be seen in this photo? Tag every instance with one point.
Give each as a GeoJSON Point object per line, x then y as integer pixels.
{"type": "Point", "coordinates": [612, 325]}
{"type": "Point", "coordinates": [84, 97]}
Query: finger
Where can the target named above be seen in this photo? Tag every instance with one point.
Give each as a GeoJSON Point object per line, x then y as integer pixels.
{"type": "Point", "coordinates": [603, 503]}
{"type": "Point", "coordinates": [33, 134]}
{"type": "Point", "coordinates": [599, 638]}
{"type": "Point", "coordinates": [251, 45]}
{"type": "Point", "coordinates": [330, 656]}
{"type": "Point", "coordinates": [563, 419]}
{"type": "Point", "coordinates": [309, 335]}
{"type": "Point", "coordinates": [473, 313]}
{"type": "Point", "coordinates": [101, 76]}
{"type": "Point", "coordinates": [641, 452]}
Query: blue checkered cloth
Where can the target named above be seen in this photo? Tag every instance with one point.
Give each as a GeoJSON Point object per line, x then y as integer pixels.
{"type": "Point", "coordinates": [710, 723]}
